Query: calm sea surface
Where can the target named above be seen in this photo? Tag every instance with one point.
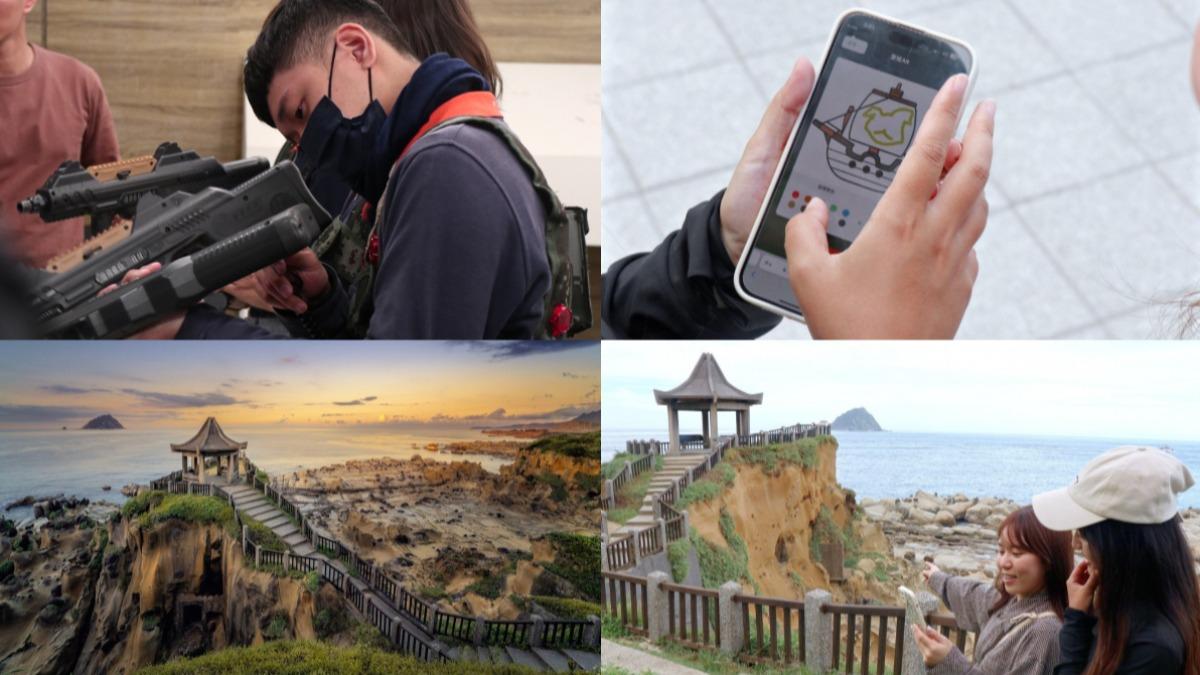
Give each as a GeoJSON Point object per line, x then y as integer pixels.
{"type": "Point", "coordinates": [81, 462]}
{"type": "Point", "coordinates": [897, 464]}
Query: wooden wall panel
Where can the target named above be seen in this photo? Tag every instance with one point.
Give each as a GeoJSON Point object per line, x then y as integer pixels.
{"type": "Point", "coordinates": [172, 70]}
{"type": "Point", "coordinates": [35, 23]}
{"type": "Point", "coordinates": [541, 31]}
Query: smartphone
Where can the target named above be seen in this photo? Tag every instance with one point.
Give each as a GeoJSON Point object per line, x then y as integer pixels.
{"type": "Point", "coordinates": [912, 609]}
{"type": "Point", "coordinates": [875, 84]}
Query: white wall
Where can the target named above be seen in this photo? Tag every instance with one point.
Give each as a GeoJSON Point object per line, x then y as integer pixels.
{"type": "Point", "coordinates": [554, 108]}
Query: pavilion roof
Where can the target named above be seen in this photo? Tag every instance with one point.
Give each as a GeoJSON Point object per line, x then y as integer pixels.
{"type": "Point", "coordinates": [706, 383]}
{"type": "Point", "coordinates": [210, 439]}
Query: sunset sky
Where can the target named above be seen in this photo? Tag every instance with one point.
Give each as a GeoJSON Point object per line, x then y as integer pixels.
{"type": "Point", "coordinates": [384, 384]}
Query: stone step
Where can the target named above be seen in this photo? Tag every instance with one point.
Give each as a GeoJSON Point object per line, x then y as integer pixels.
{"type": "Point", "coordinates": [294, 540]}
{"type": "Point", "coordinates": [584, 660]}
{"type": "Point", "coordinates": [525, 658]}
{"type": "Point", "coordinates": [483, 654]}
{"type": "Point", "coordinates": [275, 520]}
{"type": "Point", "coordinates": [554, 659]}
{"type": "Point", "coordinates": [500, 656]}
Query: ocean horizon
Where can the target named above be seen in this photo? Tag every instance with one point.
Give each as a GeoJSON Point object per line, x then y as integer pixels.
{"type": "Point", "coordinates": [895, 464]}
{"type": "Point", "coordinates": [79, 463]}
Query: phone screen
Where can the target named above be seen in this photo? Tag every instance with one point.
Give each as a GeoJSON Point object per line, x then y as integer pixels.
{"type": "Point", "coordinates": [871, 95]}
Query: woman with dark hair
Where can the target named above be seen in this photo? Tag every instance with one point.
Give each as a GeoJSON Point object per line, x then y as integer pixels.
{"type": "Point", "coordinates": [433, 26]}
{"type": "Point", "coordinates": [1018, 617]}
{"type": "Point", "coordinates": [1134, 602]}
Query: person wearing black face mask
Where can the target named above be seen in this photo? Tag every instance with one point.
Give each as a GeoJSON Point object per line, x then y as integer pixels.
{"type": "Point", "coordinates": [457, 248]}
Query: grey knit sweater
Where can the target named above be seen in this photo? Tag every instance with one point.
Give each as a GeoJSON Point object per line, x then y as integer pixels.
{"type": "Point", "coordinates": [1021, 638]}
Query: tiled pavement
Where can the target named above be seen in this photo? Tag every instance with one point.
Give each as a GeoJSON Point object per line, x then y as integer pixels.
{"type": "Point", "coordinates": [1095, 226]}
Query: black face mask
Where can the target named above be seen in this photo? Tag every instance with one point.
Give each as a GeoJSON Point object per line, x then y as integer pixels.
{"type": "Point", "coordinates": [353, 150]}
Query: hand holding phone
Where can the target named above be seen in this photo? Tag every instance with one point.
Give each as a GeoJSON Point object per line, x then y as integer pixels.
{"type": "Point", "coordinates": [873, 99]}
{"type": "Point", "coordinates": [911, 272]}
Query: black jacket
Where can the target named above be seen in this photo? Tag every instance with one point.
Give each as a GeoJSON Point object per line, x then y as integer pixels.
{"type": "Point", "coordinates": [1155, 646]}
{"type": "Point", "coordinates": [683, 289]}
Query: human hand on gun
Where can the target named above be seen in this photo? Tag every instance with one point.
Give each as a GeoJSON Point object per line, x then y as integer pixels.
{"type": "Point", "coordinates": [292, 283]}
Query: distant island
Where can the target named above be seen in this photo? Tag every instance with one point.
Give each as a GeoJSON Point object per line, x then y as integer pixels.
{"type": "Point", "coordinates": [856, 420]}
{"type": "Point", "coordinates": [588, 421]}
{"type": "Point", "coordinates": [103, 422]}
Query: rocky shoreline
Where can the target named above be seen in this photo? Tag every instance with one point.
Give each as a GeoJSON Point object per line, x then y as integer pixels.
{"type": "Point", "coordinates": [958, 532]}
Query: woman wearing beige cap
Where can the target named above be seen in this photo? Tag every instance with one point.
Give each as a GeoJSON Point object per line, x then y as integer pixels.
{"type": "Point", "coordinates": [1134, 600]}
{"type": "Point", "coordinates": [1018, 617]}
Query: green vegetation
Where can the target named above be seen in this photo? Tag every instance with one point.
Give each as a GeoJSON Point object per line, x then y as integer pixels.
{"type": "Point", "coordinates": [577, 559]}
{"type": "Point", "coordinates": [568, 608]}
{"type": "Point", "coordinates": [588, 482]}
{"type": "Point", "coordinates": [797, 581]}
{"type": "Point", "coordinates": [826, 530]}
{"type": "Point", "coordinates": [611, 626]}
{"type": "Point", "coordinates": [7, 568]}
{"type": "Point", "coordinates": [709, 487]}
{"type": "Point", "coordinates": [558, 487]}
{"type": "Point", "coordinates": [262, 535]}
{"type": "Point", "coordinates": [150, 620]}
{"type": "Point", "coordinates": [677, 553]}
{"type": "Point", "coordinates": [630, 496]}
{"type": "Point", "coordinates": [101, 547]}
{"type": "Point", "coordinates": [329, 622]}
{"type": "Point", "coordinates": [719, 564]}
{"type": "Point", "coordinates": [142, 503]}
{"type": "Point", "coordinates": [295, 658]}
{"type": "Point", "coordinates": [312, 581]}
{"type": "Point", "coordinates": [771, 458]}
{"type": "Point", "coordinates": [278, 627]}
{"type": "Point", "coordinates": [490, 586]}
{"type": "Point", "coordinates": [577, 446]}
{"type": "Point", "coordinates": [262, 476]}
{"type": "Point", "coordinates": [189, 508]}
{"type": "Point", "coordinates": [366, 635]}
{"type": "Point", "coordinates": [433, 592]}
{"type": "Point", "coordinates": [611, 468]}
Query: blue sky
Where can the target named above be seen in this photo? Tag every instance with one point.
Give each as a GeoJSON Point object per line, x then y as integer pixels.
{"type": "Point", "coordinates": [1116, 389]}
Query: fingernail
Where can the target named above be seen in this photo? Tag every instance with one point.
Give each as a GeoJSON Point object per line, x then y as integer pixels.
{"type": "Point", "coordinates": [988, 108]}
{"type": "Point", "coordinates": [958, 83]}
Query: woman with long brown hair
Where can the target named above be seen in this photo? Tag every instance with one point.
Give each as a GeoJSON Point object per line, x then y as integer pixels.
{"type": "Point", "coordinates": [1018, 617]}
{"type": "Point", "coordinates": [1134, 602]}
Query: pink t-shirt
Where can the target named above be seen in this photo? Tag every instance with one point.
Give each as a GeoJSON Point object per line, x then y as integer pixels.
{"type": "Point", "coordinates": [54, 111]}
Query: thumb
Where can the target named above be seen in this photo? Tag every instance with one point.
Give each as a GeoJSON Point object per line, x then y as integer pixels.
{"type": "Point", "coordinates": [805, 242]}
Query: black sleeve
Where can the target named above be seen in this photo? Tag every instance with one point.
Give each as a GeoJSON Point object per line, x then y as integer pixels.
{"type": "Point", "coordinates": [327, 318]}
{"type": "Point", "coordinates": [683, 289]}
{"type": "Point", "coordinates": [1151, 652]}
{"type": "Point", "coordinates": [1075, 642]}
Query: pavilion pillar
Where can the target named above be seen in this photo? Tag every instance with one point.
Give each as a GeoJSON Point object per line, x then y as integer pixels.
{"type": "Point", "coordinates": [673, 428]}
{"type": "Point", "coordinates": [704, 423]}
{"type": "Point", "coordinates": [716, 435]}
{"type": "Point", "coordinates": [184, 463]}
{"type": "Point", "coordinates": [199, 467]}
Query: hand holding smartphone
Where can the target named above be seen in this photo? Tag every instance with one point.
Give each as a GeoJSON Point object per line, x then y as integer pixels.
{"type": "Point", "coordinates": [877, 83]}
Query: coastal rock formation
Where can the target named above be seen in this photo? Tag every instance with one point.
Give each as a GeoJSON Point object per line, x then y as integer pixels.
{"type": "Point", "coordinates": [856, 420]}
{"type": "Point", "coordinates": [783, 532]}
{"type": "Point", "coordinates": [112, 598]}
{"type": "Point", "coordinates": [103, 422]}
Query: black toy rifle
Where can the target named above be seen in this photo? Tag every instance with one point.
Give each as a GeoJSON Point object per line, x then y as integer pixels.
{"type": "Point", "coordinates": [181, 224]}
{"type": "Point", "coordinates": [187, 280]}
{"type": "Point", "coordinates": [73, 191]}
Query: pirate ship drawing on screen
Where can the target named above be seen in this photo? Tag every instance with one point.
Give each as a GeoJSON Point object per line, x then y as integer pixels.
{"type": "Point", "coordinates": [866, 144]}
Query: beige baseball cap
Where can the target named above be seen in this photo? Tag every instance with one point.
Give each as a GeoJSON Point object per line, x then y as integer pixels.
{"type": "Point", "coordinates": [1132, 484]}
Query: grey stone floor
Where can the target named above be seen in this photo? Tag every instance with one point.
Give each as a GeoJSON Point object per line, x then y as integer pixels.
{"type": "Point", "coordinates": [1095, 226]}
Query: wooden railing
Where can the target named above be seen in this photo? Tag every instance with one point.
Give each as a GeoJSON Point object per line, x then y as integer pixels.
{"type": "Point", "coordinates": [649, 448]}
{"type": "Point", "coordinates": [627, 473]}
{"type": "Point", "coordinates": [563, 634]}
{"type": "Point", "coordinates": [624, 598]}
{"type": "Point", "coordinates": [454, 626]}
{"type": "Point", "coordinates": [649, 541]}
{"type": "Point", "coordinates": [620, 553]}
{"type": "Point", "coordinates": [692, 616]}
{"type": "Point", "coordinates": [781, 638]}
{"type": "Point", "coordinates": [506, 632]}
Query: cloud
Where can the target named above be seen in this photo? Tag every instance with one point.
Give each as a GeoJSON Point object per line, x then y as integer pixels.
{"type": "Point", "coordinates": [66, 390]}
{"type": "Point", "coordinates": [290, 360]}
{"type": "Point", "coordinates": [166, 400]}
{"type": "Point", "coordinates": [41, 414]}
{"type": "Point", "coordinates": [500, 350]}
{"type": "Point", "coordinates": [357, 401]}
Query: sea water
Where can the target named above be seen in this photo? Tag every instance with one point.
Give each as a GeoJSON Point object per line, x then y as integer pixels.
{"type": "Point", "coordinates": [80, 463]}
{"type": "Point", "coordinates": [897, 464]}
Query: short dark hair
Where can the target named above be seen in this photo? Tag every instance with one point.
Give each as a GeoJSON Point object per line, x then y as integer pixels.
{"type": "Point", "coordinates": [297, 30]}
